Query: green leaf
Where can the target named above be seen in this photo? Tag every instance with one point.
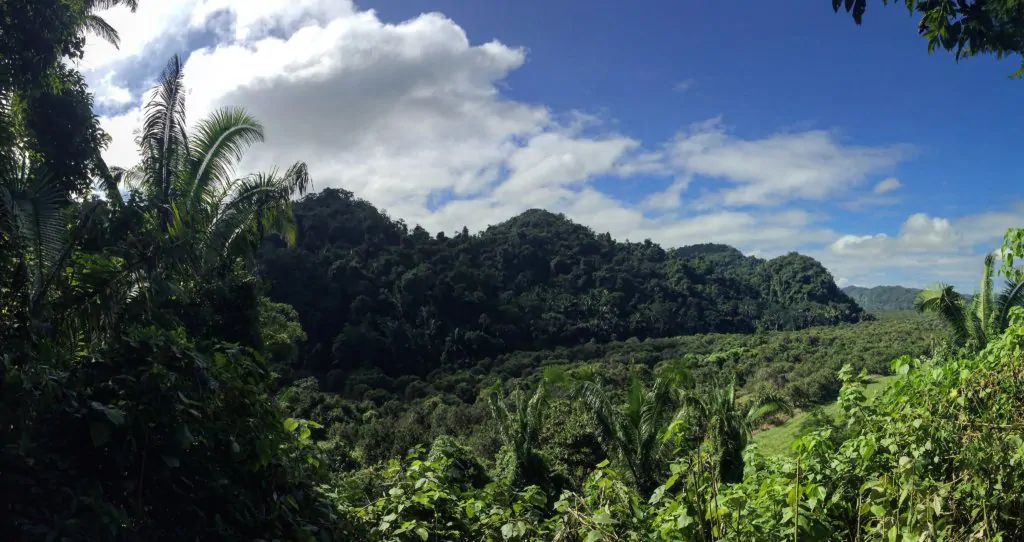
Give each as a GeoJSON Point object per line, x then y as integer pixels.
{"type": "Point", "coordinates": [100, 434]}
{"type": "Point", "coordinates": [594, 536]}
{"type": "Point", "coordinates": [291, 424]}
{"type": "Point", "coordinates": [603, 518]}
{"type": "Point", "coordinates": [423, 533]}
{"type": "Point", "coordinates": [116, 416]}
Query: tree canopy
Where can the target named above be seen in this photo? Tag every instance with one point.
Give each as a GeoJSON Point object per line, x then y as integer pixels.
{"type": "Point", "coordinates": [964, 27]}
{"type": "Point", "coordinates": [373, 292]}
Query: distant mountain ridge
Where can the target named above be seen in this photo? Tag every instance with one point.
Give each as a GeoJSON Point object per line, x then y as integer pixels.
{"type": "Point", "coordinates": [883, 298]}
{"type": "Point", "coordinates": [371, 291]}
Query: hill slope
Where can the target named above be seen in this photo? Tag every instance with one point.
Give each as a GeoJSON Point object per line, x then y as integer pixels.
{"type": "Point", "coordinates": [371, 291]}
{"type": "Point", "coordinates": [883, 298]}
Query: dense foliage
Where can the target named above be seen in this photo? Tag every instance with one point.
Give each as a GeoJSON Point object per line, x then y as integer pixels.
{"type": "Point", "coordinates": [134, 384]}
{"type": "Point", "coordinates": [375, 417]}
{"type": "Point", "coordinates": [469, 388]}
{"type": "Point", "coordinates": [371, 292]}
{"type": "Point", "coordinates": [976, 321]}
{"type": "Point", "coordinates": [935, 457]}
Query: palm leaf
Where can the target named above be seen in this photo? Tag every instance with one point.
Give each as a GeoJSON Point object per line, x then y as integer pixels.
{"type": "Point", "coordinates": [943, 300]}
{"type": "Point", "coordinates": [767, 402]}
{"type": "Point", "coordinates": [163, 139]}
{"type": "Point", "coordinates": [35, 215]}
{"type": "Point", "coordinates": [261, 203]}
{"type": "Point", "coordinates": [218, 143]}
{"type": "Point", "coordinates": [535, 413]}
{"type": "Point", "coordinates": [1011, 296]}
{"type": "Point", "coordinates": [97, 25]}
{"type": "Point", "coordinates": [100, 5]}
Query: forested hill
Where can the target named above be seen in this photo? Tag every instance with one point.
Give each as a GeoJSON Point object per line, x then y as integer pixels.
{"type": "Point", "coordinates": [370, 291]}
{"type": "Point", "coordinates": [883, 298]}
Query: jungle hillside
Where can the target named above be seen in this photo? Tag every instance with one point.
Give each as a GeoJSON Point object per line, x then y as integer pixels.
{"type": "Point", "coordinates": [193, 348]}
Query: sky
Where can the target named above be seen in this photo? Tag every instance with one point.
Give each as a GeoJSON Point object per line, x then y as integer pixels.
{"type": "Point", "coordinates": [769, 126]}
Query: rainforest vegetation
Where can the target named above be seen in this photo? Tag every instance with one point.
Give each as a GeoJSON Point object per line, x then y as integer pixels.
{"type": "Point", "coordinates": [191, 352]}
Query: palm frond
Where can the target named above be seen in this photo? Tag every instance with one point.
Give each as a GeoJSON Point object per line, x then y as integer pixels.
{"type": "Point", "coordinates": [261, 203]}
{"type": "Point", "coordinates": [1011, 296]}
{"type": "Point", "coordinates": [535, 413]}
{"type": "Point", "coordinates": [596, 401]}
{"type": "Point", "coordinates": [500, 412]}
{"type": "Point", "coordinates": [37, 216]}
{"type": "Point", "coordinates": [97, 25]}
{"type": "Point", "coordinates": [163, 138]}
{"type": "Point", "coordinates": [99, 5]}
{"type": "Point", "coordinates": [943, 300]}
{"type": "Point", "coordinates": [219, 141]}
{"type": "Point", "coordinates": [765, 403]}
{"type": "Point", "coordinates": [298, 179]}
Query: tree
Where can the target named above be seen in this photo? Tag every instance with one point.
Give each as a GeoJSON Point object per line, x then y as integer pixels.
{"type": "Point", "coordinates": [986, 316]}
{"type": "Point", "coordinates": [633, 435]}
{"type": "Point", "coordinates": [188, 180]}
{"type": "Point", "coordinates": [966, 27]}
{"type": "Point", "coordinates": [520, 418]}
{"type": "Point", "coordinates": [726, 424]}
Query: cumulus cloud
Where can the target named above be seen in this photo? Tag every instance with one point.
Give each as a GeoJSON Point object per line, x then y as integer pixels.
{"type": "Point", "coordinates": [887, 185]}
{"type": "Point", "coordinates": [926, 249]}
{"type": "Point", "coordinates": [412, 116]}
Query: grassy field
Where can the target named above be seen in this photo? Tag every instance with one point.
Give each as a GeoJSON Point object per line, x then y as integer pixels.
{"type": "Point", "coordinates": [776, 440]}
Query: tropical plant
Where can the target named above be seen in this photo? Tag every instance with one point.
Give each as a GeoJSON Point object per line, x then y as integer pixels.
{"type": "Point", "coordinates": [633, 434]}
{"type": "Point", "coordinates": [725, 423]}
{"type": "Point", "coordinates": [187, 179]}
{"type": "Point", "coordinates": [520, 418]}
{"type": "Point", "coordinates": [975, 323]}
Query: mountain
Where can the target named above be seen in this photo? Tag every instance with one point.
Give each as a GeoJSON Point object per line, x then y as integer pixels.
{"type": "Point", "coordinates": [883, 298]}
{"type": "Point", "coordinates": [372, 292]}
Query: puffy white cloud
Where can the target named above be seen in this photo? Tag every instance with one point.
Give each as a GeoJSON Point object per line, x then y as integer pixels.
{"type": "Point", "coordinates": [926, 249]}
{"type": "Point", "coordinates": [887, 185]}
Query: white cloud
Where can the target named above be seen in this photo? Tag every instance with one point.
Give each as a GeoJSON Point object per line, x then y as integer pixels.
{"type": "Point", "coordinates": [782, 167]}
{"type": "Point", "coordinates": [926, 249]}
{"type": "Point", "coordinates": [887, 185]}
{"type": "Point", "coordinates": [670, 198]}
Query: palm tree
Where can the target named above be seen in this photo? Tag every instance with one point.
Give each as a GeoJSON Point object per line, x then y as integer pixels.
{"type": "Point", "coordinates": [520, 418]}
{"type": "Point", "coordinates": [187, 177]}
{"type": "Point", "coordinates": [633, 434]}
{"type": "Point", "coordinates": [726, 424]}
{"type": "Point", "coordinates": [973, 324]}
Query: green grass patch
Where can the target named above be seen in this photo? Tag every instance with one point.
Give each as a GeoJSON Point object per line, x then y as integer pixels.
{"type": "Point", "coordinates": [776, 440]}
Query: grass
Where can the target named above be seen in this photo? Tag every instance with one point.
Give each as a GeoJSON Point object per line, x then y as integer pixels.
{"type": "Point", "coordinates": [776, 440]}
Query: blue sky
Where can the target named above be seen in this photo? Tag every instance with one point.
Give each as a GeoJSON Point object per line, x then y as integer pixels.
{"type": "Point", "coordinates": [767, 125]}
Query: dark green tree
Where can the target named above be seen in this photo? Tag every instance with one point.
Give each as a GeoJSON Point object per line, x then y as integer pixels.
{"type": "Point", "coordinates": [964, 27]}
